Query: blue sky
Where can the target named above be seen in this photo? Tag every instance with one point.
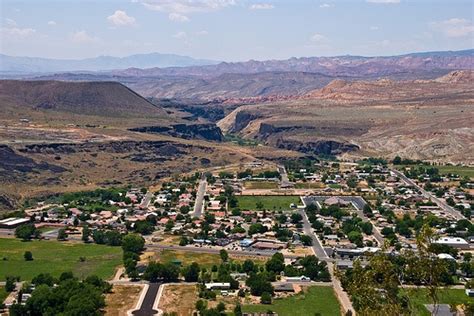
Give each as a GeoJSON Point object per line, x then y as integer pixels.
{"type": "Point", "coordinates": [234, 30]}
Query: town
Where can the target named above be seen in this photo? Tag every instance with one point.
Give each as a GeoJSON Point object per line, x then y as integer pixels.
{"type": "Point", "coordinates": [245, 239]}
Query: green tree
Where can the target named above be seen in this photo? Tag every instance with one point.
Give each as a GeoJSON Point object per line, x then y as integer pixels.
{"type": "Point", "coordinates": [28, 256]}
{"type": "Point", "coordinates": [266, 298]}
{"type": "Point", "coordinates": [133, 243]}
{"type": "Point", "coordinates": [306, 240]}
{"type": "Point", "coordinates": [62, 235]}
{"type": "Point", "coordinates": [85, 233]}
{"type": "Point", "coordinates": [191, 273]}
{"type": "Point", "coordinates": [259, 284]}
{"type": "Point", "coordinates": [238, 309]}
{"type": "Point", "coordinates": [276, 263]}
{"type": "Point", "coordinates": [26, 232]}
{"type": "Point", "coordinates": [10, 283]}
{"type": "Point", "coordinates": [224, 255]}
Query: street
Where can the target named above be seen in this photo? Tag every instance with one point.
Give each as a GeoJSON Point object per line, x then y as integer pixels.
{"type": "Point", "coordinates": [441, 204]}
{"type": "Point", "coordinates": [146, 308]}
{"type": "Point", "coordinates": [199, 202]}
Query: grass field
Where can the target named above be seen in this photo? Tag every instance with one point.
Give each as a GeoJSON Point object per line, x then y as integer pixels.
{"type": "Point", "coordinates": [419, 297]}
{"type": "Point", "coordinates": [318, 299]}
{"type": "Point", "coordinates": [309, 185]}
{"type": "Point", "coordinates": [460, 170]}
{"type": "Point", "coordinates": [56, 257]}
{"type": "Point", "coordinates": [463, 171]}
{"type": "Point", "coordinates": [270, 202]}
{"type": "Point", "coordinates": [260, 185]}
{"type": "Point", "coordinates": [186, 258]}
{"type": "Point", "coordinates": [204, 259]}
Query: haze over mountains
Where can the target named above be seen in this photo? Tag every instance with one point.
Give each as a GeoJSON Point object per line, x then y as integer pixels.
{"type": "Point", "coordinates": [255, 79]}
{"type": "Point", "coordinates": [22, 65]}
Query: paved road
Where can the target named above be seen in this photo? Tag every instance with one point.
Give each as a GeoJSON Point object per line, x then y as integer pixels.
{"type": "Point", "coordinates": [441, 204]}
{"type": "Point", "coordinates": [285, 181]}
{"type": "Point", "coordinates": [146, 200]}
{"type": "Point", "coordinates": [199, 202]}
{"type": "Point", "coordinates": [146, 309]}
{"type": "Point", "coordinates": [319, 251]}
{"type": "Point", "coordinates": [308, 230]}
{"type": "Point", "coordinates": [358, 203]}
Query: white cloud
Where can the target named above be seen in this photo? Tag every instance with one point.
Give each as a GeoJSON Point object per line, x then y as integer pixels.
{"type": "Point", "coordinates": [120, 18]}
{"type": "Point", "coordinates": [17, 32]}
{"type": "Point", "coordinates": [325, 5]}
{"type": "Point", "coordinates": [318, 38]}
{"type": "Point", "coordinates": [374, 28]}
{"type": "Point", "coordinates": [12, 30]}
{"type": "Point", "coordinates": [454, 27]}
{"type": "Point", "coordinates": [261, 6]}
{"type": "Point", "coordinates": [176, 17]}
{"type": "Point", "coordinates": [202, 33]}
{"type": "Point", "coordinates": [383, 1]}
{"type": "Point", "coordinates": [52, 23]}
{"type": "Point", "coordinates": [10, 22]}
{"type": "Point", "coordinates": [181, 35]}
{"type": "Point", "coordinates": [83, 37]}
{"type": "Point", "coordinates": [186, 6]}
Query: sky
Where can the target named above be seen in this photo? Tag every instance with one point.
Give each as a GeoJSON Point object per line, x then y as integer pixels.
{"type": "Point", "coordinates": [233, 30]}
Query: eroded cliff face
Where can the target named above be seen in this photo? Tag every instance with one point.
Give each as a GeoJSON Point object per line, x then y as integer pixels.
{"type": "Point", "coordinates": [205, 131]}
{"type": "Point", "coordinates": [328, 147]}
{"type": "Point", "coordinates": [242, 120]}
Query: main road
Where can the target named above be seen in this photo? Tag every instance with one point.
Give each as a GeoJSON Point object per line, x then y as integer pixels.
{"type": "Point", "coordinates": [199, 202]}
{"type": "Point", "coordinates": [319, 251]}
{"type": "Point", "coordinates": [441, 204]}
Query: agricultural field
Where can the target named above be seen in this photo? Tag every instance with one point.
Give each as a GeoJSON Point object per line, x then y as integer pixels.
{"type": "Point", "coordinates": [270, 202]}
{"type": "Point", "coordinates": [463, 171]}
{"type": "Point", "coordinates": [419, 297]}
{"type": "Point", "coordinates": [309, 185]}
{"type": "Point", "coordinates": [186, 258]}
{"type": "Point", "coordinates": [316, 299]}
{"type": "Point", "coordinates": [252, 185]}
{"type": "Point", "coordinates": [206, 260]}
{"type": "Point", "coordinates": [56, 257]}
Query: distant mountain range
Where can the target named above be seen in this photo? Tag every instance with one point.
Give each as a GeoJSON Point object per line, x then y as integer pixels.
{"type": "Point", "coordinates": [22, 65]}
{"type": "Point", "coordinates": [331, 66]}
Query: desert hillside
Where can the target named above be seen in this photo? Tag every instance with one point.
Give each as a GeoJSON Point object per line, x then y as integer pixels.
{"type": "Point", "coordinates": [426, 119]}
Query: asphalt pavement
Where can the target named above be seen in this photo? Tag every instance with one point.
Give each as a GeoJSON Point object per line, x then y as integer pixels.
{"type": "Point", "coordinates": [199, 202]}
{"type": "Point", "coordinates": [146, 309]}
{"type": "Point", "coordinates": [441, 204]}
{"type": "Point", "coordinates": [308, 230]}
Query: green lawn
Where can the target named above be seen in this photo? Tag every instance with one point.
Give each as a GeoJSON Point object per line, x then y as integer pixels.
{"type": "Point", "coordinates": [270, 202]}
{"type": "Point", "coordinates": [419, 297]}
{"type": "Point", "coordinates": [56, 257]}
{"type": "Point", "coordinates": [3, 294]}
{"type": "Point", "coordinates": [318, 299]}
